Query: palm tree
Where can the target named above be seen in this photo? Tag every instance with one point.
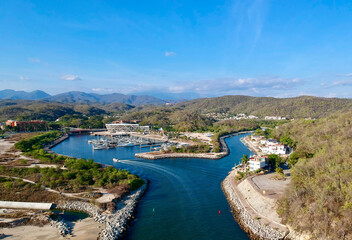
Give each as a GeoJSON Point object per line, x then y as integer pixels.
{"type": "Point", "coordinates": [245, 160]}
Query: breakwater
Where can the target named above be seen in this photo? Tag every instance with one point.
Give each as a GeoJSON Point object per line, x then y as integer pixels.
{"type": "Point", "coordinates": [161, 155]}
{"type": "Point", "coordinates": [253, 227]}
{"type": "Point", "coordinates": [116, 223]}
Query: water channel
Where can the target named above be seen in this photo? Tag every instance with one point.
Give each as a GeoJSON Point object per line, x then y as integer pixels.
{"type": "Point", "coordinates": [184, 193]}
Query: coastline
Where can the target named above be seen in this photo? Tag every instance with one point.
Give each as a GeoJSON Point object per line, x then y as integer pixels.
{"type": "Point", "coordinates": [254, 224]}
{"type": "Point", "coordinates": [251, 225]}
{"type": "Point", "coordinates": [116, 224]}
{"type": "Point", "coordinates": [101, 223]}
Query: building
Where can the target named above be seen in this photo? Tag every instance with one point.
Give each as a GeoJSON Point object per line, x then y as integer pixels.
{"type": "Point", "coordinates": [33, 125]}
{"type": "Point", "coordinates": [275, 118]}
{"type": "Point", "coordinates": [126, 127]}
{"type": "Point", "coordinates": [276, 148]}
{"type": "Point", "coordinates": [258, 162]}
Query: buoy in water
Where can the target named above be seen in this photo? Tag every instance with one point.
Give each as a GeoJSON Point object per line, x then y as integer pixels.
{"type": "Point", "coordinates": [219, 212]}
{"type": "Point", "coordinates": [153, 209]}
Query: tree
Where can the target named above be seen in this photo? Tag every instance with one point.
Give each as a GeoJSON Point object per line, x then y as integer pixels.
{"type": "Point", "coordinates": [293, 159]}
{"type": "Point", "coordinates": [245, 160]}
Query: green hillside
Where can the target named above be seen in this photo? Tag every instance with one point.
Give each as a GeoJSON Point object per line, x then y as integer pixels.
{"type": "Point", "coordinates": [298, 107]}
{"type": "Point", "coordinates": [319, 198]}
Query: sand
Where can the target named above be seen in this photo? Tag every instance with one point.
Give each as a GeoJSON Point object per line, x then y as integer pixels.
{"type": "Point", "coordinates": [5, 146]}
{"type": "Point", "coordinates": [87, 229]}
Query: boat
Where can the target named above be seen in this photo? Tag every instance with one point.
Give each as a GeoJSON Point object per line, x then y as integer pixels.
{"type": "Point", "coordinates": [115, 159]}
{"type": "Point", "coordinates": [98, 147]}
{"type": "Point", "coordinates": [129, 144]}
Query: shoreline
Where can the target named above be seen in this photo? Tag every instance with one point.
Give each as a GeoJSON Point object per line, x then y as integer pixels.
{"type": "Point", "coordinates": [112, 225]}
{"type": "Point", "coordinates": [249, 224]}
{"type": "Point", "coordinates": [244, 214]}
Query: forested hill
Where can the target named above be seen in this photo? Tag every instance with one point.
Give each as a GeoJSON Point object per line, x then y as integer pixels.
{"type": "Point", "coordinates": [76, 97]}
{"type": "Point", "coordinates": [319, 198]}
{"type": "Point", "coordinates": [92, 98]}
{"type": "Point", "coordinates": [298, 107]}
{"type": "Point", "coordinates": [50, 111]}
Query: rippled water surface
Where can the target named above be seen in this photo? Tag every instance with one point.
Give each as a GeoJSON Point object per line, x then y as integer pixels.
{"type": "Point", "coordinates": [185, 193]}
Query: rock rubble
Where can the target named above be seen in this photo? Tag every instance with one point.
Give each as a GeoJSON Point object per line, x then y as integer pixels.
{"type": "Point", "coordinates": [115, 223]}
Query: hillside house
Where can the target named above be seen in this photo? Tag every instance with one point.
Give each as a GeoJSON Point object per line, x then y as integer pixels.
{"type": "Point", "coordinates": [258, 162]}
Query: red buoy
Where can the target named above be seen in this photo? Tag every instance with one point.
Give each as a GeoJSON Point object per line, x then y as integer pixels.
{"type": "Point", "coordinates": [219, 212]}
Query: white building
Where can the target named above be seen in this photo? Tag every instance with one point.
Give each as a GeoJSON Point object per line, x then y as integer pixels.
{"type": "Point", "coordinates": [126, 127]}
{"type": "Point", "coordinates": [258, 162]}
{"type": "Point", "coordinates": [273, 149]}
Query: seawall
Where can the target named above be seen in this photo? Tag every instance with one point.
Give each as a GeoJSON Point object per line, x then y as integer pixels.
{"type": "Point", "coordinates": [250, 224]}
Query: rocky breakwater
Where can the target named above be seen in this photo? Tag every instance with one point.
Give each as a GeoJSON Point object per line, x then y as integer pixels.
{"type": "Point", "coordinates": [252, 226]}
{"type": "Point", "coordinates": [116, 223]}
{"type": "Point", "coordinates": [63, 227]}
{"type": "Point", "coordinates": [89, 208]}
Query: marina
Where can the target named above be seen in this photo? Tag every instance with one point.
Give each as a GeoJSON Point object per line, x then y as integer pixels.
{"type": "Point", "coordinates": [127, 140]}
{"type": "Point", "coordinates": [185, 193]}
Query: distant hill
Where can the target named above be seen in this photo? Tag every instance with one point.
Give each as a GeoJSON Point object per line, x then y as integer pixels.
{"type": "Point", "coordinates": [12, 94]}
{"type": "Point", "coordinates": [30, 109]}
{"type": "Point", "coordinates": [76, 97]}
{"type": "Point", "coordinates": [297, 107]}
{"type": "Point", "coordinates": [91, 98]}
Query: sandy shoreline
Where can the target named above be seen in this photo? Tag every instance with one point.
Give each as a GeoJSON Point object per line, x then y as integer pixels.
{"type": "Point", "coordinates": [85, 229]}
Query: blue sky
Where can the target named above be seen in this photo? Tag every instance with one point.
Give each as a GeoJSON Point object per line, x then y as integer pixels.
{"type": "Point", "coordinates": [178, 49]}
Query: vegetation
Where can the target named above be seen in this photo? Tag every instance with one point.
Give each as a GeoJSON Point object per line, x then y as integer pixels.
{"type": "Point", "coordinates": [79, 173]}
{"type": "Point", "coordinates": [223, 128]}
{"type": "Point", "coordinates": [298, 107]}
{"type": "Point", "coordinates": [18, 190]}
{"type": "Point", "coordinates": [319, 198]}
{"type": "Point", "coordinates": [196, 148]}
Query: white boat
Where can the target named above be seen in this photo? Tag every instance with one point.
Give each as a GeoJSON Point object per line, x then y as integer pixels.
{"type": "Point", "coordinates": [98, 147]}
{"type": "Point", "coordinates": [115, 159]}
{"type": "Point", "coordinates": [130, 144]}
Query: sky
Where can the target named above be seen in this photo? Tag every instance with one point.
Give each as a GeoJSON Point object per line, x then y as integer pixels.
{"type": "Point", "coordinates": [178, 49]}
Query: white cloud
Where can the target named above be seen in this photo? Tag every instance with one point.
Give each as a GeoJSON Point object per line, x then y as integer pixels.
{"type": "Point", "coordinates": [23, 78]}
{"type": "Point", "coordinates": [346, 80]}
{"type": "Point", "coordinates": [34, 60]}
{"type": "Point", "coordinates": [231, 85]}
{"type": "Point", "coordinates": [168, 54]}
{"type": "Point", "coordinates": [102, 90]}
{"type": "Point", "coordinates": [70, 77]}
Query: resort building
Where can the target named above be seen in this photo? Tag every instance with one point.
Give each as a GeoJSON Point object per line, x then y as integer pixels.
{"type": "Point", "coordinates": [258, 162]}
{"type": "Point", "coordinates": [33, 125]}
{"type": "Point", "coordinates": [126, 127]}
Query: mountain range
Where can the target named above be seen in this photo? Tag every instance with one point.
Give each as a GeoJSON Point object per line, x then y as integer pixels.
{"type": "Point", "coordinates": [77, 97]}
{"type": "Point", "coordinates": [22, 95]}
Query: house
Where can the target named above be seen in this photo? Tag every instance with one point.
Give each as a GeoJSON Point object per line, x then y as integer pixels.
{"type": "Point", "coordinates": [258, 162]}
{"type": "Point", "coordinates": [273, 149]}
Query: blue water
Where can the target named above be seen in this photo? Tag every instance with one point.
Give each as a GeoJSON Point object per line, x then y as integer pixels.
{"type": "Point", "coordinates": [185, 193]}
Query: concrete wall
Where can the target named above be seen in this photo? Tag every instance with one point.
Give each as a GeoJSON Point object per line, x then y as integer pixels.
{"type": "Point", "coordinates": [25, 205]}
